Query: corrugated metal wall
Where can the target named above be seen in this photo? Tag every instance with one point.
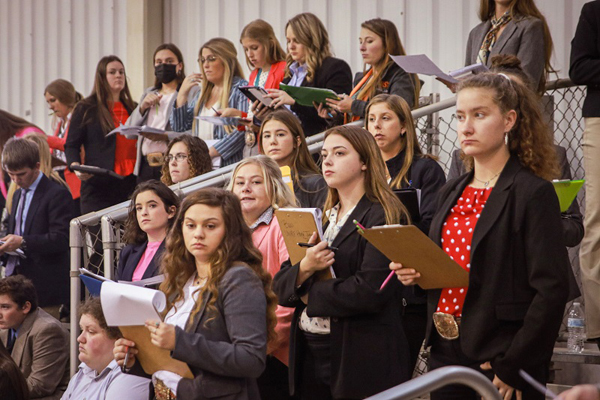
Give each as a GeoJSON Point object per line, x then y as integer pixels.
{"type": "Point", "coordinates": [41, 40]}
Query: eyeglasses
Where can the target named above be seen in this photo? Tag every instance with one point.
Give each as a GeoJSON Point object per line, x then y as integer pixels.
{"type": "Point", "coordinates": [210, 59]}
{"type": "Point", "coordinates": [179, 157]}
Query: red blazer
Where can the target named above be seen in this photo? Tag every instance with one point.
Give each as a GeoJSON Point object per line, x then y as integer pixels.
{"type": "Point", "coordinates": [275, 77]}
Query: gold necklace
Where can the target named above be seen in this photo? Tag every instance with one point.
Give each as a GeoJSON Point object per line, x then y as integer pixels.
{"type": "Point", "coordinates": [199, 280]}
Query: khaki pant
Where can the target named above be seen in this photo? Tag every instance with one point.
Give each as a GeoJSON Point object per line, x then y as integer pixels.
{"type": "Point", "coordinates": [589, 253]}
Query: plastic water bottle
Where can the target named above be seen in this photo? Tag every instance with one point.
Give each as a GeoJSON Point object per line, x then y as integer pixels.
{"type": "Point", "coordinates": [576, 329]}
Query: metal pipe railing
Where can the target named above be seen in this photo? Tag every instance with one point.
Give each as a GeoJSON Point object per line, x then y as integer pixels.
{"type": "Point", "coordinates": [438, 378]}
{"type": "Point", "coordinates": [76, 241]}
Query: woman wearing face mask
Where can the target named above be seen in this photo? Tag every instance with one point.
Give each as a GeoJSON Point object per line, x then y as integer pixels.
{"type": "Point", "coordinates": [107, 107]}
{"type": "Point", "coordinates": [257, 182]}
{"type": "Point", "coordinates": [347, 340]}
{"type": "Point", "coordinates": [151, 215]}
{"type": "Point", "coordinates": [378, 38]}
{"type": "Point", "coordinates": [281, 138]}
{"type": "Point", "coordinates": [310, 63]}
{"type": "Point", "coordinates": [154, 110]}
{"type": "Point", "coordinates": [219, 95]}
{"type": "Point", "coordinates": [266, 59]}
{"type": "Point", "coordinates": [62, 98]}
{"type": "Point", "coordinates": [186, 157]}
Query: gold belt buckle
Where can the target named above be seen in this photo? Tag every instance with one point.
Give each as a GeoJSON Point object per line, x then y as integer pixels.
{"type": "Point", "coordinates": [446, 325]}
{"type": "Point", "coordinates": [155, 159]}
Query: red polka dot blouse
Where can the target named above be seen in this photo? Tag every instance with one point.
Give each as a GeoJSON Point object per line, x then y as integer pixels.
{"type": "Point", "coordinates": [457, 234]}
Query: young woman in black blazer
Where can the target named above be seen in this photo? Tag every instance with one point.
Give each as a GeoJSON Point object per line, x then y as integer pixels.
{"type": "Point", "coordinates": [378, 39]}
{"type": "Point", "coordinates": [281, 137]}
{"type": "Point", "coordinates": [309, 55]}
{"type": "Point", "coordinates": [347, 339]}
{"type": "Point", "coordinates": [500, 222]}
{"type": "Point", "coordinates": [389, 120]}
{"type": "Point", "coordinates": [151, 215]}
{"type": "Point", "coordinates": [108, 106]}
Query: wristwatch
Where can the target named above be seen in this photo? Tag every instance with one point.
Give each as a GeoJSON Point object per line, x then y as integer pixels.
{"type": "Point", "coordinates": [23, 245]}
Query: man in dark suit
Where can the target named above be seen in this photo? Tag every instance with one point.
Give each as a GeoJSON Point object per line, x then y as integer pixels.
{"type": "Point", "coordinates": [37, 342]}
{"type": "Point", "coordinates": [38, 226]}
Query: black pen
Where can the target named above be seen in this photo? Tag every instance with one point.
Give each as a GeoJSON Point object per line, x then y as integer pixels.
{"type": "Point", "coordinates": [312, 245]}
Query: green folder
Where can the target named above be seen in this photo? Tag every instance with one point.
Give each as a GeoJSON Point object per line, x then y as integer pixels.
{"type": "Point", "coordinates": [567, 192]}
{"type": "Point", "coordinates": [305, 96]}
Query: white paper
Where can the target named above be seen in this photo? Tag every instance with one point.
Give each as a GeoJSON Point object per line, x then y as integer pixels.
{"type": "Point", "coordinates": [216, 161]}
{"type": "Point", "coordinates": [128, 305]}
{"type": "Point", "coordinates": [133, 132]}
{"type": "Point", "coordinates": [260, 96]}
{"type": "Point", "coordinates": [421, 64]}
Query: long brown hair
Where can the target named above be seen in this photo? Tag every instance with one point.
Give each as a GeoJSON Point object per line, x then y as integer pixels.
{"type": "Point", "coordinates": [376, 187]}
{"type": "Point", "coordinates": [64, 91]}
{"type": "Point", "coordinates": [237, 247]}
{"type": "Point", "coordinates": [10, 125]}
{"type": "Point", "coordinates": [409, 141]}
{"type": "Point", "coordinates": [225, 51]}
{"type": "Point", "coordinates": [12, 382]}
{"type": "Point", "coordinates": [311, 33]}
{"type": "Point", "coordinates": [302, 162]}
{"type": "Point", "coordinates": [529, 139]}
{"type": "Point", "coordinates": [262, 32]}
{"type": "Point", "coordinates": [392, 44]}
{"type": "Point", "coordinates": [100, 99]}
{"type": "Point", "coordinates": [198, 158]}
{"type": "Point", "coordinates": [133, 233]}
{"type": "Point", "coordinates": [522, 9]}
{"type": "Point", "coordinates": [175, 50]}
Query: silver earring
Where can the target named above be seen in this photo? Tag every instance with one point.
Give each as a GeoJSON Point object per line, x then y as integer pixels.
{"type": "Point", "coordinates": [506, 138]}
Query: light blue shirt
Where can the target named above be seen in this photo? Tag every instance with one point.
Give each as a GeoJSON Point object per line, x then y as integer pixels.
{"type": "Point", "coordinates": [28, 197]}
{"type": "Point", "coordinates": [299, 73]}
{"type": "Point", "coordinates": [111, 383]}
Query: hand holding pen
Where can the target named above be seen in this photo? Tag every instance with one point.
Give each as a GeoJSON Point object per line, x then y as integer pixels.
{"type": "Point", "coordinates": [124, 353]}
{"type": "Point", "coordinates": [318, 257]}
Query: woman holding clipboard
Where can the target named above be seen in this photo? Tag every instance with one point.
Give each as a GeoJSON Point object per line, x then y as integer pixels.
{"type": "Point", "coordinates": [500, 222]}
{"type": "Point", "coordinates": [221, 309]}
{"type": "Point", "coordinates": [347, 340]}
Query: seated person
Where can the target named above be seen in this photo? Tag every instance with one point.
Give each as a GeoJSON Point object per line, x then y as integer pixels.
{"type": "Point", "coordinates": [186, 157]}
{"type": "Point", "coordinates": [37, 342]}
{"type": "Point", "coordinates": [99, 376]}
{"type": "Point", "coordinates": [151, 214]}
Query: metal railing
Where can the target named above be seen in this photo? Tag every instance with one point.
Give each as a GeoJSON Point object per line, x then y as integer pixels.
{"type": "Point", "coordinates": [95, 237]}
{"type": "Point", "coordinates": [439, 378]}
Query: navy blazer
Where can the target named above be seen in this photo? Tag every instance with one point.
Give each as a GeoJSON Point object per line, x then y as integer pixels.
{"type": "Point", "coordinates": [334, 74]}
{"type": "Point", "coordinates": [130, 257]}
{"type": "Point", "coordinates": [518, 278]}
{"type": "Point", "coordinates": [46, 234]}
{"type": "Point", "coordinates": [226, 348]}
{"type": "Point", "coordinates": [369, 351]}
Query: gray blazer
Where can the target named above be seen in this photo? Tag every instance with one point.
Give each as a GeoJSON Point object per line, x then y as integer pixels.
{"type": "Point", "coordinates": [42, 353]}
{"type": "Point", "coordinates": [226, 348]}
{"type": "Point", "coordinates": [522, 37]}
{"type": "Point", "coordinates": [138, 119]}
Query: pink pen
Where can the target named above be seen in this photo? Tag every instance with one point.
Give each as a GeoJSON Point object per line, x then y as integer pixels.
{"type": "Point", "coordinates": [387, 280]}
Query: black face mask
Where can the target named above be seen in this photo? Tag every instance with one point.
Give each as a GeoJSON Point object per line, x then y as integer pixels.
{"type": "Point", "coordinates": [165, 73]}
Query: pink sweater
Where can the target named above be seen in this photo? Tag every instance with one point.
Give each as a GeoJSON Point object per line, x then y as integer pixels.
{"type": "Point", "coordinates": [269, 240]}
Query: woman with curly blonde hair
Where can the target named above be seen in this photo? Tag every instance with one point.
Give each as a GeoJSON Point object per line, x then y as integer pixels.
{"type": "Point", "coordinates": [513, 249]}
{"type": "Point", "coordinates": [221, 309]}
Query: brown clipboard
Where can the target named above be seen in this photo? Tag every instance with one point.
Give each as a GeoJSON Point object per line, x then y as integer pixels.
{"type": "Point", "coordinates": [413, 249]}
{"type": "Point", "coordinates": [297, 226]}
{"type": "Point", "coordinates": [153, 358]}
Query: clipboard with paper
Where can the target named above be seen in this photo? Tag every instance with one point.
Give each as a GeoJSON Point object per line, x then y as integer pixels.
{"type": "Point", "coordinates": [128, 307]}
{"type": "Point", "coordinates": [406, 244]}
{"type": "Point", "coordinates": [297, 226]}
